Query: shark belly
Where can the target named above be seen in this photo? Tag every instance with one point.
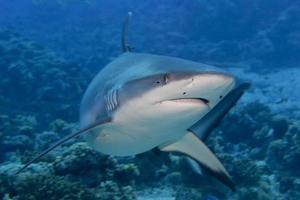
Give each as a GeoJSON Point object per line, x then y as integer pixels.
{"type": "Point", "coordinates": [120, 140]}
{"type": "Point", "coordinates": [132, 133]}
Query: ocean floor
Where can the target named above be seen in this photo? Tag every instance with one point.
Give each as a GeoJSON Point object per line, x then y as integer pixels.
{"type": "Point", "coordinates": [156, 194]}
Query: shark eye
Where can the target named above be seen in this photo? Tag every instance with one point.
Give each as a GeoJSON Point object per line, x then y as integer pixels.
{"type": "Point", "coordinates": [163, 80]}
{"type": "Point", "coordinates": [166, 78]}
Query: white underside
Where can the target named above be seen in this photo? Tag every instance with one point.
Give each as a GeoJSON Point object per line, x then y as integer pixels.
{"type": "Point", "coordinates": [135, 129]}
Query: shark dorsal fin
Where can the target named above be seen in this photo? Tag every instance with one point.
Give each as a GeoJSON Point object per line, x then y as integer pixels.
{"type": "Point", "coordinates": [62, 141]}
{"type": "Point", "coordinates": [125, 46]}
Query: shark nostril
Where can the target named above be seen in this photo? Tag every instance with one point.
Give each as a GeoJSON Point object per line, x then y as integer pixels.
{"type": "Point", "coordinates": [221, 97]}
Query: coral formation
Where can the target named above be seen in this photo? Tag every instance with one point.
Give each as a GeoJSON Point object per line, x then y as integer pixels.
{"type": "Point", "coordinates": [46, 84]}
{"type": "Point", "coordinates": [261, 39]}
{"type": "Point", "coordinates": [38, 187]}
{"type": "Point", "coordinates": [110, 190]}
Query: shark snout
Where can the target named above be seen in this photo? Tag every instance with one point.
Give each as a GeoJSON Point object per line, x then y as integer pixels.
{"type": "Point", "coordinates": [214, 79]}
{"type": "Point", "coordinates": [209, 82]}
{"type": "Point", "coordinates": [211, 87]}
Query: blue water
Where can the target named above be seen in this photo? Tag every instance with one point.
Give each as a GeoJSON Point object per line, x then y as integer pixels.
{"type": "Point", "coordinates": [51, 50]}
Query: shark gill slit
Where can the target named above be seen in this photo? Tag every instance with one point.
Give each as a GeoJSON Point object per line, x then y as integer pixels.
{"type": "Point", "coordinates": [111, 100]}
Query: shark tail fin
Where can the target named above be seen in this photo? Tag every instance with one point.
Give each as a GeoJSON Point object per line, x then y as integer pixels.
{"type": "Point", "coordinates": [60, 142]}
{"type": "Point", "coordinates": [125, 46]}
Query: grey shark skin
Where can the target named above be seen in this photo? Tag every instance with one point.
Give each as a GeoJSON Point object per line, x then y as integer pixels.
{"type": "Point", "coordinates": [142, 101]}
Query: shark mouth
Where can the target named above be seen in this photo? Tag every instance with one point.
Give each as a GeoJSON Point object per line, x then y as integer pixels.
{"type": "Point", "coordinates": [189, 100]}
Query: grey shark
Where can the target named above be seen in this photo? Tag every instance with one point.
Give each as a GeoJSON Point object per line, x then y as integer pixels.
{"type": "Point", "coordinates": [142, 101]}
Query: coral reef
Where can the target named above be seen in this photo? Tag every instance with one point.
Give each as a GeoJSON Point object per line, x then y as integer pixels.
{"type": "Point", "coordinates": [111, 190]}
{"type": "Point", "coordinates": [262, 160]}
{"type": "Point", "coordinates": [188, 193]}
{"type": "Point", "coordinates": [261, 39]}
{"type": "Point", "coordinates": [37, 187]}
{"type": "Point", "coordinates": [46, 84]}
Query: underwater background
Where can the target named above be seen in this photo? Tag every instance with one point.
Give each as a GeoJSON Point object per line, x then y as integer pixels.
{"type": "Point", "coordinates": [51, 49]}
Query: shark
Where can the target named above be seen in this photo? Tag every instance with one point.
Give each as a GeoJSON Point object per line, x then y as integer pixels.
{"type": "Point", "coordinates": [140, 102]}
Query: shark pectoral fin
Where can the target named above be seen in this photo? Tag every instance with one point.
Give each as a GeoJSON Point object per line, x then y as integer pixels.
{"type": "Point", "coordinates": [193, 147]}
{"type": "Point", "coordinates": [65, 139]}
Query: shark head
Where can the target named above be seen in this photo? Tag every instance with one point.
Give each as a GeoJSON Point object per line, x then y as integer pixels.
{"type": "Point", "coordinates": [183, 93]}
